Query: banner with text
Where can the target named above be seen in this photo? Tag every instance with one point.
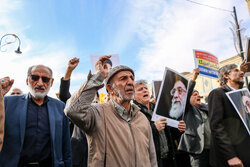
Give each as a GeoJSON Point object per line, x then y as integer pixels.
{"type": "Point", "coordinates": [207, 63]}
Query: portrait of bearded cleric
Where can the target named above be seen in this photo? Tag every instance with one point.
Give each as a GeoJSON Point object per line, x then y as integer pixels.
{"type": "Point", "coordinates": [172, 96]}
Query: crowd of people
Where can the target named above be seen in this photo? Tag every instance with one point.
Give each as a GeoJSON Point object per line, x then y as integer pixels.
{"type": "Point", "coordinates": [76, 130]}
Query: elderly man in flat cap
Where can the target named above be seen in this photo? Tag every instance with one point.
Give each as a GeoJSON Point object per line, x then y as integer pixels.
{"type": "Point", "coordinates": [118, 134]}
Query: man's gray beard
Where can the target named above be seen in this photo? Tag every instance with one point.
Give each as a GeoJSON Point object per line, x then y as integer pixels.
{"type": "Point", "coordinates": [38, 95]}
{"type": "Point", "coordinates": [176, 110]}
{"type": "Point", "coordinates": [121, 98]}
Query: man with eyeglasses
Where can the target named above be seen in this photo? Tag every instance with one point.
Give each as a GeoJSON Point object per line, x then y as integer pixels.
{"type": "Point", "coordinates": [178, 92]}
{"type": "Point", "coordinates": [36, 129]}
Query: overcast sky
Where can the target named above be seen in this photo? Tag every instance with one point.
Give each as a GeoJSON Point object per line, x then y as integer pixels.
{"type": "Point", "coordinates": [148, 35]}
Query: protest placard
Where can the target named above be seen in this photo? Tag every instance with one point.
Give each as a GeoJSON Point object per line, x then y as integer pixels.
{"type": "Point", "coordinates": [114, 58]}
{"type": "Point", "coordinates": [115, 62]}
{"type": "Point", "coordinates": [207, 63]}
{"type": "Point", "coordinates": [172, 98]}
{"type": "Point", "coordinates": [241, 102]}
{"type": "Point", "coordinates": [156, 84]}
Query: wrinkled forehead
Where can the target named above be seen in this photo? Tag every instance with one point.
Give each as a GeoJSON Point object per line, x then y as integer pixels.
{"type": "Point", "coordinates": [123, 73]}
{"type": "Point", "coordinates": [40, 69]}
{"type": "Point", "coordinates": [16, 90]}
{"type": "Point", "coordinates": [195, 93]}
{"type": "Point", "coordinates": [140, 85]}
{"type": "Point", "coordinates": [179, 84]}
{"type": "Point", "coordinates": [234, 69]}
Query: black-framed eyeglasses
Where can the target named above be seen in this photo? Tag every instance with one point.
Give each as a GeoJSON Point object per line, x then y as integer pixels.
{"type": "Point", "coordinates": [36, 78]}
{"type": "Point", "coordinates": [179, 91]}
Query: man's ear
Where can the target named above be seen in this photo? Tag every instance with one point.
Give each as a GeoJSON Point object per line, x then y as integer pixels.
{"type": "Point", "coordinates": [27, 81]}
{"type": "Point", "coordinates": [226, 76]}
{"type": "Point", "coordinates": [52, 81]}
{"type": "Point", "coordinates": [110, 89]}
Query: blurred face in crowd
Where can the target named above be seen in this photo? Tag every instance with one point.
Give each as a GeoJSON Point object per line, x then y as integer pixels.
{"type": "Point", "coordinates": [248, 103]}
{"type": "Point", "coordinates": [195, 99]}
{"type": "Point", "coordinates": [235, 76]}
{"type": "Point", "coordinates": [178, 101]}
{"type": "Point", "coordinates": [39, 81]}
{"type": "Point", "coordinates": [122, 86]}
{"type": "Point", "coordinates": [142, 93]}
{"type": "Point", "coordinates": [16, 91]}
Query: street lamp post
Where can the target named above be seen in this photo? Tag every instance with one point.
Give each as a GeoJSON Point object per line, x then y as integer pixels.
{"type": "Point", "coordinates": [8, 41]}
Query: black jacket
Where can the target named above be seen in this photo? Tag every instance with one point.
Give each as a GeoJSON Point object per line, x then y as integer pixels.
{"type": "Point", "coordinates": [192, 140]}
{"type": "Point", "coordinates": [173, 136]}
{"type": "Point", "coordinates": [79, 142]}
{"type": "Point", "coordinates": [229, 138]}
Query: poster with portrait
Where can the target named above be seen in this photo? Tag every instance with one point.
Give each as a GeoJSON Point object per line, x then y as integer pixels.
{"type": "Point", "coordinates": [114, 58]}
{"type": "Point", "coordinates": [156, 84]}
{"type": "Point", "coordinates": [207, 63]}
{"type": "Point", "coordinates": [241, 102]}
{"type": "Point", "coordinates": [172, 98]}
{"type": "Point", "coordinates": [115, 62]}
{"type": "Point", "coordinates": [247, 56]}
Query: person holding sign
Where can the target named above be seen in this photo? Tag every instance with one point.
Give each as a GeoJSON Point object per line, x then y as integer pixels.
{"type": "Point", "coordinates": [117, 132]}
{"type": "Point", "coordinates": [161, 134]}
{"type": "Point", "coordinates": [230, 141]}
{"type": "Point", "coordinates": [196, 139]}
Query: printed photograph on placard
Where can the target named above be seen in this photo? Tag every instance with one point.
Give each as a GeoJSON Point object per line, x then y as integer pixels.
{"type": "Point", "coordinates": [111, 63]}
{"type": "Point", "coordinates": [241, 102]}
{"type": "Point", "coordinates": [172, 97]}
{"type": "Point", "coordinates": [156, 84]}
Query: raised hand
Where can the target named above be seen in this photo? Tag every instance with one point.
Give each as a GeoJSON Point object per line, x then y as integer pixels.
{"type": "Point", "coordinates": [244, 66]}
{"type": "Point", "coordinates": [72, 64]}
{"type": "Point", "coordinates": [196, 72]}
{"type": "Point", "coordinates": [100, 68]}
{"type": "Point", "coordinates": [6, 84]}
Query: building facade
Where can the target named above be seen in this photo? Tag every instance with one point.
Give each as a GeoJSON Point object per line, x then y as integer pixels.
{"type": "Point", "coordinates": [205, 84]}
{"type": "Point", "coordinates": [248, 3]}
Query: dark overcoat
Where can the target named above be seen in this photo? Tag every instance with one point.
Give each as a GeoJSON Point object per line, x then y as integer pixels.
{"type": "Point", "coordinates": [229, 137]}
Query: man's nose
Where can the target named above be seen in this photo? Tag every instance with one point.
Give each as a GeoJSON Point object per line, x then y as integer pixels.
{"type": "Point", "coordinates": [130, 81]}
{"type": "Point", "coordinates": [176, 94]}
{"type": "Point", "coordinates": [40, 81]}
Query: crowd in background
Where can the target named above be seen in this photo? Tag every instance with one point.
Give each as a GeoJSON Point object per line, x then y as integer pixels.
{"type": "Point", "coordinates": [76, 130]}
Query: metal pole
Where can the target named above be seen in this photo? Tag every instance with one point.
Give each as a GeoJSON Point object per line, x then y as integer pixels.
{"type": "Point", "coordinates": [240, 42]}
